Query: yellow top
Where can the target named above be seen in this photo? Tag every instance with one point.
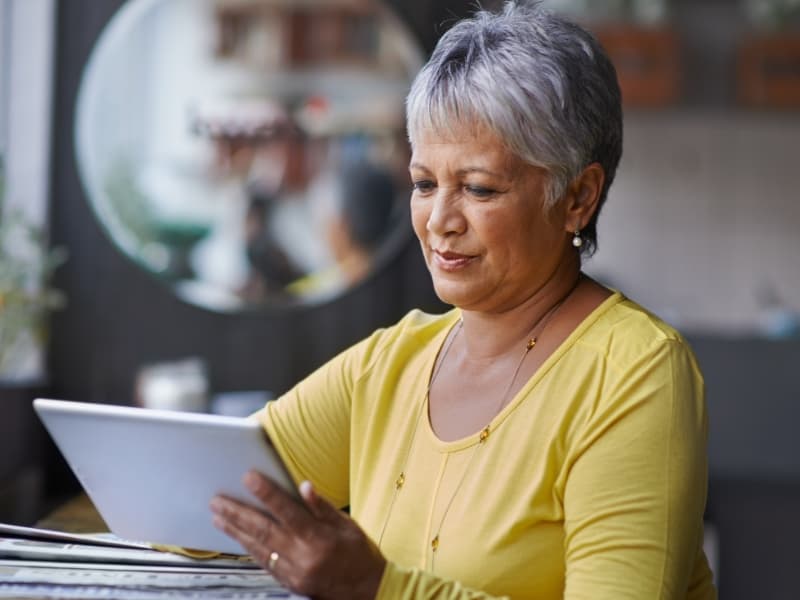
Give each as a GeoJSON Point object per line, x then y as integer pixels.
{"type": "Point", "coordinates": [591, 484]}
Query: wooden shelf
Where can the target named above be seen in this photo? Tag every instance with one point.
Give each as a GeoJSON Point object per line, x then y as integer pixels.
{"type": "Point", "coordinates": [647, 62]}
{"type": "Point", "coordinates": [768, 70]}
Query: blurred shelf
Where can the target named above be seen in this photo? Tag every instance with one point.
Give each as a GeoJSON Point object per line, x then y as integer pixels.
{"type": "Point", "coordinates": [706, 54]}
{"type": "Point", "coordinates": [768, 70]}
{"type": "Point", "coordinates": [648, 63]}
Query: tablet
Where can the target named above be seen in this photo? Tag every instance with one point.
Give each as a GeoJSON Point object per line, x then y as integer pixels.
{"type": "Point", "coordinates": [152, 473]}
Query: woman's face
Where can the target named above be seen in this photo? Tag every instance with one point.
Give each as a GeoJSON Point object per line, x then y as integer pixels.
{"type": "Point", "coordinates": [479, 214]}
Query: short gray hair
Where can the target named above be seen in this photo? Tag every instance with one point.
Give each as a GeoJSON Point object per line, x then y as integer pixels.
{"type": "Point", "coordinates": [540, 83]}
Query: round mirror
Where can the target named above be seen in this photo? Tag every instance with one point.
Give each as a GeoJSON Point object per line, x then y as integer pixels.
{"type": "Point", "coordinates": [250, 152]}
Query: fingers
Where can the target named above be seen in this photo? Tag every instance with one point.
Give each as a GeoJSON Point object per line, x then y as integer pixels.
{"type": "Point", "coordinates": [269, 559]}
{"type": "Point", "coordinates": [319, 507]}
{"type": "Point", "coordinates": [247, 525]}
{"type": "Point", "coordinates": [309, 546]}
{"type": "Point", "coordinates": [285, 509]}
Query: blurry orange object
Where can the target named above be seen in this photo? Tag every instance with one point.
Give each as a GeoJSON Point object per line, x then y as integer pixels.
{"type": "Point", "coordinates": [647, 62]}
{"type": "Point", "coordinates": [768, 70]}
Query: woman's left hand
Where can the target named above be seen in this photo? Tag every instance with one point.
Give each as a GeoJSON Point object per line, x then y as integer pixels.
{"type": "Point", "coordinates": [311, 548]}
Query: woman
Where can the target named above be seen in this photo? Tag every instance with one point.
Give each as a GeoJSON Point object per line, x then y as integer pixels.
{"type": "Point", "coordinates": [546, 438]}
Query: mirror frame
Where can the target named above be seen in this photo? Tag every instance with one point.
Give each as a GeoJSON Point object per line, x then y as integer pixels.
{"type": "Point", "coordinates": [124, 20]}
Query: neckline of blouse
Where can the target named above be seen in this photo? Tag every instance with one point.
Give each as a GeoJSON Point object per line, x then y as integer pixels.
{"type": "Point", "coordinates": [474, 438]}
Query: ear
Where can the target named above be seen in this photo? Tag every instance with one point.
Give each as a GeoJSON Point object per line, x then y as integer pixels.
{"type": "Point", "coordinates": [582, 197]}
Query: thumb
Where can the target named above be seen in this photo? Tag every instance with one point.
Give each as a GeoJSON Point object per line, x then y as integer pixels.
{"type": "Point", "coordinates": [319, 507]}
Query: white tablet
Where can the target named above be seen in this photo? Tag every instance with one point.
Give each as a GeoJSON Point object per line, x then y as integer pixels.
{"type": "Point", "coordinates": [151, 473]}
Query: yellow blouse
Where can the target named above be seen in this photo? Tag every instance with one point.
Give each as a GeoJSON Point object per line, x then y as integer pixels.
{"type": "Point", "coordinates": [591, 484]}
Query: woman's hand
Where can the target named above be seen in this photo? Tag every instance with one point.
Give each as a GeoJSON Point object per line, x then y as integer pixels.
{"type": "Point", "coordinates": [314, 550]}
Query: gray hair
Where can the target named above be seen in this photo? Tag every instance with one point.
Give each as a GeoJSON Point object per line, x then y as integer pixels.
{"type": "Point", "coordinates": [540, 83]}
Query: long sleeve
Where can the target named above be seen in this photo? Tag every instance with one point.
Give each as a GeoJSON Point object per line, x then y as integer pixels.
{"type": "Point", "coordinates": [636, 488]}
{"type": "Point", "coordinates": [414, 584]}
{"type": "Point", "coordinates": [310, 425]}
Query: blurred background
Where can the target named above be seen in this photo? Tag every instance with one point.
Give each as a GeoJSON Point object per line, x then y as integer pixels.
{"type": "Point", "coordinates": [203, 200]}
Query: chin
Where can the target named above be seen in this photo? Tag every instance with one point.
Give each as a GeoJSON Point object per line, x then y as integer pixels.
{"type": "Point", "coordinates": [453, 293]}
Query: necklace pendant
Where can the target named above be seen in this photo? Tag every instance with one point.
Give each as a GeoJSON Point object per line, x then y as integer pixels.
{"type": "Point", "coordinates": [484, 435]}
{"type": "Point", "coordinates": [400, 481]}
{"type": "Point", "coordinates": [531, 343]}
{"type": "Point", "coordinates": [435, 543]}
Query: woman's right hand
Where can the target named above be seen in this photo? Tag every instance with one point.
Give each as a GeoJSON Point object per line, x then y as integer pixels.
{"type": "Point", "coordinates": [314, 550]}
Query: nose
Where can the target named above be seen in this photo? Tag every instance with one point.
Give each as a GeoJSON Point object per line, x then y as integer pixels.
{"type": "Point", "coordinates": [446, 216]}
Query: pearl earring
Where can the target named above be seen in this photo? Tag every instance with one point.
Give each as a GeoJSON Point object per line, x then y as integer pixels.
{"type": "Point", "coordinates": [577, 241]}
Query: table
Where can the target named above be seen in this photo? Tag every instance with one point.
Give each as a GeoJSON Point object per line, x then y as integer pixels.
{"type": "Point", "coordinates": [78, 515]}
{"type": "Point", "coordinates": [110, 579]}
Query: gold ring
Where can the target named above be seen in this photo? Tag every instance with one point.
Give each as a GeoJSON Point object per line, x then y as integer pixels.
{"type": "Point", "coordinates": [273, 560]}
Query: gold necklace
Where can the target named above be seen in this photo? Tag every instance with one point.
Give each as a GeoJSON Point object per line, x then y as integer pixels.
{"type": "Point", "coordinates": [539, 325]}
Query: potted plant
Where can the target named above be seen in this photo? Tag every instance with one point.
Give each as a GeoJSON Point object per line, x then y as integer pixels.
{"type": "Point", "coordinates": [26, 295]}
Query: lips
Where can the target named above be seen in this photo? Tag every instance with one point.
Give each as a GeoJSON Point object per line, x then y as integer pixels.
{"type": "Point", "coordinates": [451, 261]}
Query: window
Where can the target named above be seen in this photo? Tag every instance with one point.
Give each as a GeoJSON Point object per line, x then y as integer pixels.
{"type": "Point", "coordinates": [26, 75]}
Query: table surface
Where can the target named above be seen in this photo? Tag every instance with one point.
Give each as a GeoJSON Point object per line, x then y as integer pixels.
{"type": "Point", "coordinates": [78, 515]}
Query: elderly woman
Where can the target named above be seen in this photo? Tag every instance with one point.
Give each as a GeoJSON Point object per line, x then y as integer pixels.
{"type": "Point", "coordinates": [545, 438]}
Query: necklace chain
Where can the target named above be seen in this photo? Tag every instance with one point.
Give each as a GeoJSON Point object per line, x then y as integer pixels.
{"type": "Point", "coordinates": [540, 325]}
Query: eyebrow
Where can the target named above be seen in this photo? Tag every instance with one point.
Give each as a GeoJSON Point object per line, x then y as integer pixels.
{"type": "Point", "coordinates": [481, 170]}
{"type": "Point", "coordinates": [465, 171]}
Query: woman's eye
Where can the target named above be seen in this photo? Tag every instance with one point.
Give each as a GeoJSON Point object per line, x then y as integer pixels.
{"type": "Point", "coordinates": [480, 192]}
{"type": "Point", "coordinates": [424, 186]}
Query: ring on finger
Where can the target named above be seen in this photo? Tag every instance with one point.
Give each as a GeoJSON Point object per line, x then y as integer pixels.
{"type": "Point", "coordinates": [273, 560]}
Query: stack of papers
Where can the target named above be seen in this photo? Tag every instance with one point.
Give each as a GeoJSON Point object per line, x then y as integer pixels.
{"type": "Point", "coordinates": [38, 563]}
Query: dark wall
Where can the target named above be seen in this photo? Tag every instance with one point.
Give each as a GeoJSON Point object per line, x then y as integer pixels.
{"type": "Point", "coordinates": [119, 317]}
{"type": "Point", "coordinates": [754, 462]}
{"type": "Point", "coordinates": [21, 452]}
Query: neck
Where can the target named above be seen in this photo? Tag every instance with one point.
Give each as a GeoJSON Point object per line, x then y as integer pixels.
{"type": "Point", "coordinates": [490, 335]}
